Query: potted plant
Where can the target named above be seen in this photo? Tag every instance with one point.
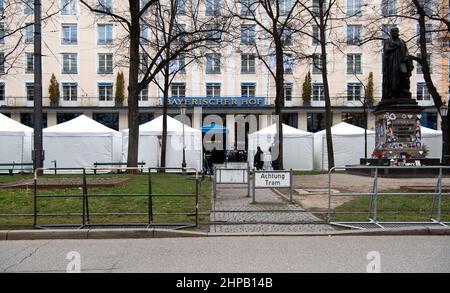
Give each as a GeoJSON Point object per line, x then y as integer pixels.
{"type": "Point", "coordinates": [307, 90]}
{"type": "Point", "coordinates": [53, 91]}
{"type": "Point", "coordinates": [120, 89]}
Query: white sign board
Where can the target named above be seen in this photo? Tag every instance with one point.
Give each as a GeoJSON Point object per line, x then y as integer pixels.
{"type": "Point", "coordinates": [236, 165]}
{"type": "Point", "coordinates": [232, 176]}
{"type": "Point", "coordinates": [273, 179]}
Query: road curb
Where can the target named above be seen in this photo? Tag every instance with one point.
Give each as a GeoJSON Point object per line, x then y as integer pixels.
{"type": "Point", "coordinates": [162, 233]}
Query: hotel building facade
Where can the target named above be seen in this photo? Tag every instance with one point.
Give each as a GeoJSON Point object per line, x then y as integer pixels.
{"type": "Point", "coordinates": [79, 48]}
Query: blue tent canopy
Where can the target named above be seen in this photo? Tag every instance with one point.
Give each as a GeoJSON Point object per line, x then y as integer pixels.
{"type": "Point", "coordinates": [214, 128]}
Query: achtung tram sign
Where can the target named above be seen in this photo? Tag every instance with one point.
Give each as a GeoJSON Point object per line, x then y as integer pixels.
{"type": "Point", "coordinates": [273, 179]}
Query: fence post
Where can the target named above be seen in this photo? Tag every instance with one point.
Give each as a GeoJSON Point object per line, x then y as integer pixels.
{"type": "Point", "coordinates": [150, 199]}
{"type": "Point", "coordinates": [254, 188]}
{"type": "Point", "coordinates": [440, 197]}
{"type": "Point", "coordinates": [376, 195]}
{"type": "Point", "coordinates": [196, 201]}
{"type": "Point", "coordinates": [214, 181]}
{"type": "Point", "coordinates": [248, 181]}
{"type": "Point", "coordinates": [329, 194]}
{"type": "Point", "coordinates": [86, 218]}
{"type": "Point", "coordinates": [35, 200]}
{"type": "Point", "coordinates": [290, 187]}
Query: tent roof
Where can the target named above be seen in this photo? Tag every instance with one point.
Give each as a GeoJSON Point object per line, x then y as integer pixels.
{"type": "Point", "coordinates": [347, 129]}
{"type": "Point", "coordinates": [81, 124]}
{"type": "Point", "coordinates": [426, 130]}
{"type": "Point", "coordinates": [287, 131]}
{"type": "Point", "coordinates": [173, 126]}
{"type": "Point", "coordinates": [9, 125]}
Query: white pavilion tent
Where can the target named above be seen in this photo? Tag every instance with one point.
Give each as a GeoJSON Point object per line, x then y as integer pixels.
{"type": "Point", "coordinates": [298, 147]}
{"type": "Point", "coordinates": [15, 142]}
{"type": "Point", "coordinates": [348, 146]}
{"type": "Point", "coordinates": [150, 136]}
{"type": "Point", "coordinates": [432, 139]}
{"type": "Point", "coordinates": [81, 142]}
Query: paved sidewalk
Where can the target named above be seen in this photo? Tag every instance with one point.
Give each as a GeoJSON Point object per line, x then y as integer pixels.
{"type": "Point", "coordinates": [270, 214]}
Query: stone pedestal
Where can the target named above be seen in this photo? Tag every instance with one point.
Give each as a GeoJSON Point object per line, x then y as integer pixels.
{"type": "Point", "coordinates": [398, 132]}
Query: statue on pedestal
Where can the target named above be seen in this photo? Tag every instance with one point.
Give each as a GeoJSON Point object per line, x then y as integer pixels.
{"type": "Point", "coordinates": [397, 68]}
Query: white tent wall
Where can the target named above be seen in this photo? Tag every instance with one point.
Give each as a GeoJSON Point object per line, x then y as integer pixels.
{"type": "Point", "coordinates": [15, 142]}
{"type": "Point", "coordinates": [297, 149]}
{"type": "Point", "coordinates": [432, 139]}
{"type": "Point", "coordinates": [78, 151]}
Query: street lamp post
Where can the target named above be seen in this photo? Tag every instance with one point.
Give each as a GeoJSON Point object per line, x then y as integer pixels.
{"type": "Point", "coordinates": [183, 113]}
{"type": "Point", "coordinates": [444, 112]}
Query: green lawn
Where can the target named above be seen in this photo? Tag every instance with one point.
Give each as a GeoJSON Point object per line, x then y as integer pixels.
{"type": "Point", "coordinates": [392, 208]}
{"type": "Point", "coordinates": [165, 209]}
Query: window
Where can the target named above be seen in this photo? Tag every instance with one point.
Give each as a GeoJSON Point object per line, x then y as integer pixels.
{"type": "Point", "coordinates": [70, 91]}
{"type": "Point", "coordinates": [212, 63]}
{"type": "Point", "coordinates": [248, 34]}
{"type": "Point", "coordinates": [315, 35]}
{"type": "Point", "coordinates": [354, 91]}
{"type": "Point", "coordinates": [316, 6]}
{"type": "Point", "coordinates": [419, 67]}
{"type": "Point", "coordinates": [422, 92]}
{"type": "Point", "coordinates": [212, 7]}
{"type": "Point", "coordinates": [105, 92]}
{"type": "Point", "coordinates": [286, 37]}
{"type": "Point", "coordinates": [388, 7]}
{"type": "Point", "coordinates": [105, 63]}
{"type": "Point", "coordinates": [354, 8]}
{"type": "Point", "coordinates": [213, 90]}
{"type": "Point", "coordinates": [29, 88]}
{"type": "Point", "coordinates": [181, 7]}
{"type": "Point", "coordinates": [179, 34]}
{"type": "Point", "coordinates": [110, 120]}
{"type": "Point", "coordinates": [356, 119]}
{"type": "Point", "coordinates": [2, 6]}
{"type": "Point", "coordinates": [285, 7]}
{"type": "Point", "coordinates": [288, 61]}
{"type": "Point", "coordinates": [2, 62]}
{"type": "Point", "coordinates": [29, 65]}
{"type": "Point", "coordinates": [353, 34]}
{"type": "Point", "coordinates": [105, 34]}
{"type": "Point", "coordinates": [68, 7]}
{"type": "Point", "coordinates": [2, 91]}
{"type": "Point", "coordinates": [28, 119]}
{"type": "Point", "coordinates": [143, 95]}
{"type": "Point", "coordinates": [29, 33]}
{"type": "Point", "coordinates": [2, 33]}
{"type": "Point", "coordinates": [316, 122]}
{"type": "Point", "coordinates": [105, 5]}
{"type": "Point", "coordinates": [248, 90]}
{"type": "Point", "coordinates": [428, 33]}
{"type": "Point", "coordinates": [354, 64]}
{"type": "Point", "coordinates": [69, 34]}
{"type": "Point", "coordinates": [64, 117]}
{"type": "Point", "coordinates": [248, 63]}
{"type": "Point", "coordinates": [178, 65]}
{"type": "Point", "coordinates": [213, 34]}
{"type": "Point", "coordinates": [427, 5]}
{"type": "Point", "coordinates": [28, 8]}
{"type": "Point", "coordinates": [318, 94]}
{"type": "Point", "coordinates": [145, 33]}
{"type": "Point", "coordinates": [178, 90]}
{"type": "Point", "coordinates": [70, 63]}
{"type": "Point", "coordinates": [317, 64]}
{"type": "Point", "coordinates": [143, 63]}
{"type": "Point", "coordinates": [248, 7]}
{"type": "Point", "coordinates": [288, 91]}
{"type": "Point", "coordinates": [142, 5]}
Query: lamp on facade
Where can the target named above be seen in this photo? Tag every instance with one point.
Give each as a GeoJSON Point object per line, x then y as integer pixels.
{"type": "Point", "coordinates": [444, 112]}
{"type": "Point", "coordinates": [183, 113]}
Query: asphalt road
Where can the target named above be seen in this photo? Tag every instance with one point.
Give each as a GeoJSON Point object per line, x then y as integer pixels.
{"type": "Point", "coordinates": [231, 254]}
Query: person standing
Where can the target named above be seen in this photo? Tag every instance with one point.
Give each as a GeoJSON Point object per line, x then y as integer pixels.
{"type": "Point", "coordinates": [258, 162]}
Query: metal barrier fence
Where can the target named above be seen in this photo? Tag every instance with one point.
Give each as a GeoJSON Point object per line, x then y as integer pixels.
{"type": "Point", "coordinates": [85, 196]}
{"type": "Point", "coordinates": [375, 195]}
{"type": "Point", "coordinates": [231, 176]}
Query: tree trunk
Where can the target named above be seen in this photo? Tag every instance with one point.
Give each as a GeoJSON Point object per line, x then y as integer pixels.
{"type": "Point", "coordinates": [279, 99]}
{"type": "Point", "coordinates": [133, 86]}
{"type": "Point", "coordinates": [165, 108]}
{"type": "Point", "coordinates": [326, 91]}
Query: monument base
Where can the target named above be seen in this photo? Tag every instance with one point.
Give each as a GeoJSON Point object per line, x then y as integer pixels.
{"type": "Point", "coordinates": [398, 131]}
